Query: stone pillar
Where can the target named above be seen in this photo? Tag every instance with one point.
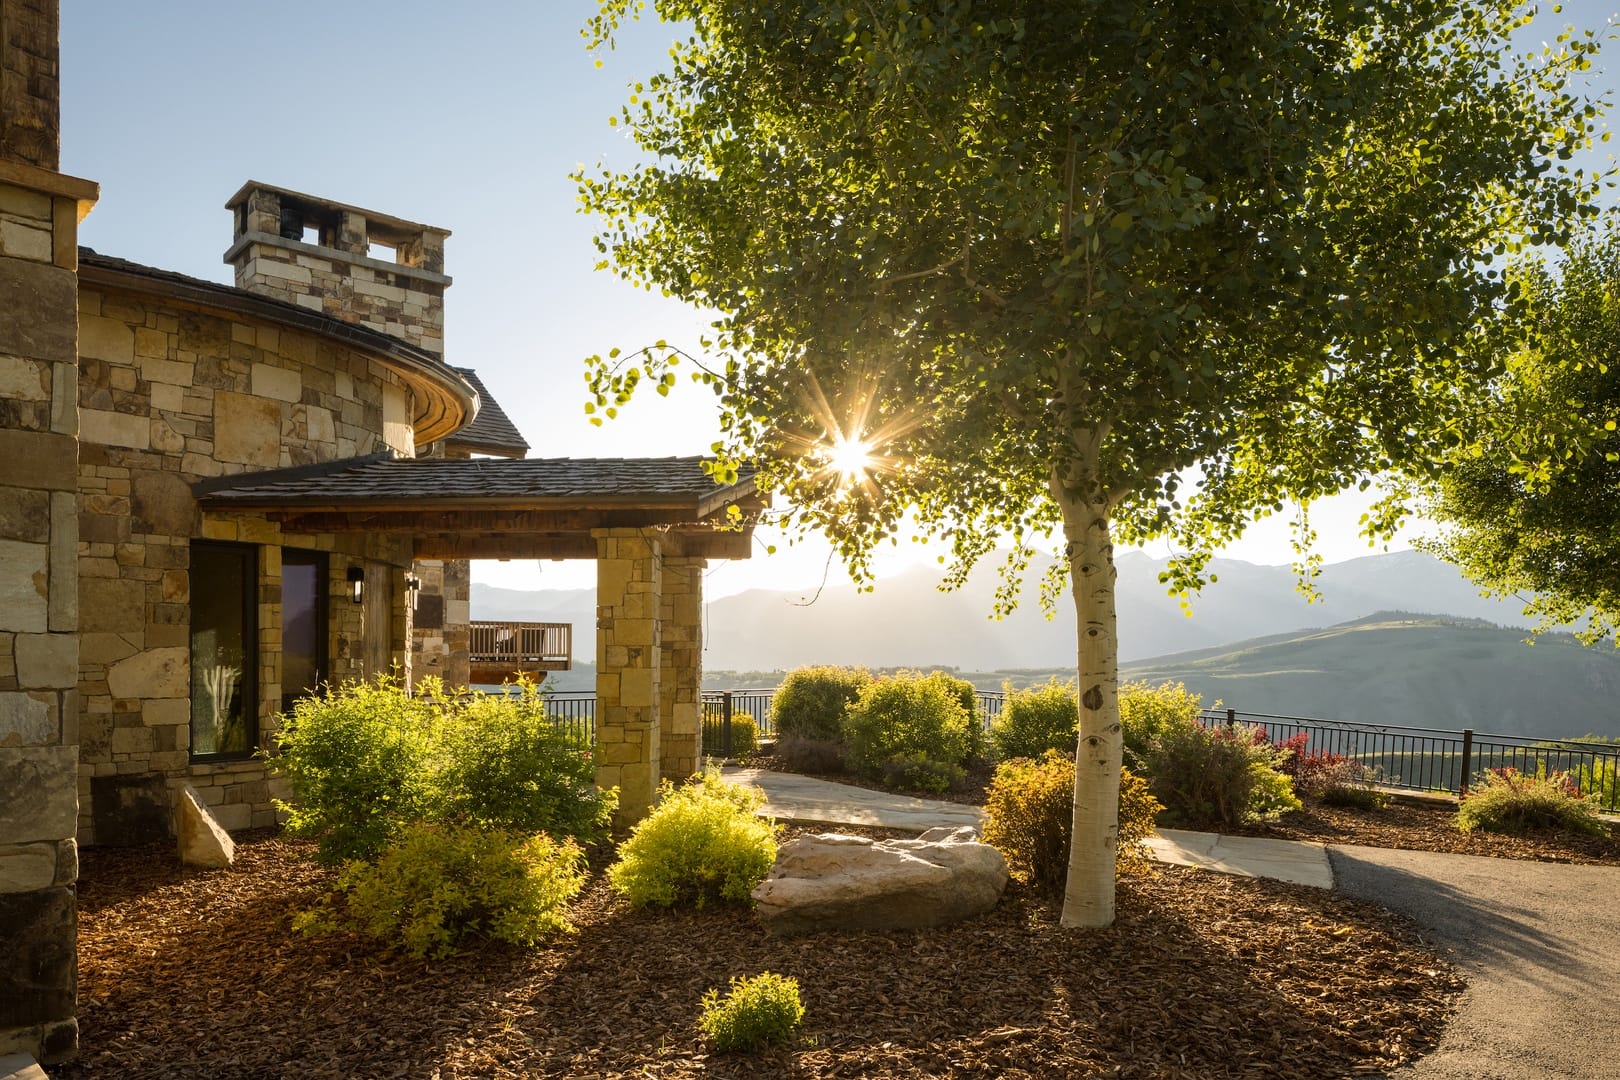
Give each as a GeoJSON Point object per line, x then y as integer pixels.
{"type": "Point", "coordinates": [680, 616]}
{"type": "Point", "coordinates": [39, 615]}
{"type": "Point", "coordinates": [629, 754]}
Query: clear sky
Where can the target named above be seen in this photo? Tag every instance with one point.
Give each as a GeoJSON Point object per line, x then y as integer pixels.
{"type": "Point", "coordinates": [468, 116]}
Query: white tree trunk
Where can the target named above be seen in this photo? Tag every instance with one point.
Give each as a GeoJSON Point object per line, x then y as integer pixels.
{"type": "Point", "coordinates": [1088, 896]}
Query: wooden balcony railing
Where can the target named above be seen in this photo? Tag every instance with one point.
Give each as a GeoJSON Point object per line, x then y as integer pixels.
{"type": "Point", "coordinates": [499, 651]}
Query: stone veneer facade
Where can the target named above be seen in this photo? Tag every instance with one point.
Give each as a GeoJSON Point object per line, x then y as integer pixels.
{"type": "Point", "coordinates": [648, 673]}
{"type": "Point", "coordinates": [39, 214]}
{"type": "Point", "coordinates": [171, 394]}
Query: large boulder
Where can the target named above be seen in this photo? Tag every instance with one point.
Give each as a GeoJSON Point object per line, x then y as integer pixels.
{"type": "Point", "coordinates": [203, 840]}
{"type": "Point", "coordinates": [837, 882]}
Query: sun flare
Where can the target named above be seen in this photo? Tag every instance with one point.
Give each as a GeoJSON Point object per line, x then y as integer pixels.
{"type": "Point", "coordinates": [850, 458]}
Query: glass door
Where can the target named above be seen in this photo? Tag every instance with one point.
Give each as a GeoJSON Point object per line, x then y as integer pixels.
{"type": "Point", "coordinates": [304, 661]}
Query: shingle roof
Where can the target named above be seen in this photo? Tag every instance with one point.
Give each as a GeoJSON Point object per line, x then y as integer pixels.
{"type": "Point", "coordinates": [492, 431]}
{"type": "Point", "coordinates": [385, 480]}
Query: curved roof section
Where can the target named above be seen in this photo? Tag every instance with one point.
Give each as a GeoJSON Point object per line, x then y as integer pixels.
{"type": "Point", "coordinates": [445, 401]}
{"type": "Point", "coordinates": [492, 431]}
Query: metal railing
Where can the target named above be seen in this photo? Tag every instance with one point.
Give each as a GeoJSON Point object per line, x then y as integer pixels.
{"type": "Point", "coordinates": [1437, 760]}
{"type": "Point", "coordinates": [1440, 760]}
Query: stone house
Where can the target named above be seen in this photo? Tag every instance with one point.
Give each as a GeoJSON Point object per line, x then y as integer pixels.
{"type": "Point", "coordinates": [215, 498]}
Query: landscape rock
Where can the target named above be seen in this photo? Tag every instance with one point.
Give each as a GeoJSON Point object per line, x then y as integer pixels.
{"type": "Point", "coordinates": [837, 882]}
{"type": "Point", "coordinates": [203, 841]}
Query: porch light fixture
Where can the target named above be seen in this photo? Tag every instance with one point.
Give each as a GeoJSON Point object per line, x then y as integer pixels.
{"type": "Point", "coordinates": [357, 583]}
{"type": "Point", "coordinates": [413, 588]}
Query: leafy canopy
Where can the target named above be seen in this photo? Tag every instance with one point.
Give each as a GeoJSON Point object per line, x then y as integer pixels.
{"type": "Point", "coordinates": [1533, 506]}
{"type": "Point", "coordinates": [1028, 249]}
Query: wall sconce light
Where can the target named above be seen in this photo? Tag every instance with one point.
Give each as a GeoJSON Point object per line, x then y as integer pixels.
{"type": "Point", "coordinates": [413, 588]}
{"type": "Point", "coordinates": [357, 583]}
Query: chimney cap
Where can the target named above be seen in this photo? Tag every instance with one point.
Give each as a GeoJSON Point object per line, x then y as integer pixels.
{"type": "Point", "coordinates": [381, 225]}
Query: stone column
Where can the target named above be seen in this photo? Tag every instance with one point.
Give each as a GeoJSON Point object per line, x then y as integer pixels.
{"type": "Point", "coordinates": [39, 651]}
{"type": "Point", "coordinates": [629, 753]}
{"type": "Point", "coordinates": [680, 615]}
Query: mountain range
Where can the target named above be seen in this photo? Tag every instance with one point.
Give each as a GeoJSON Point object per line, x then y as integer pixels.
{"type": "Point", "coordinates": [906, 620]}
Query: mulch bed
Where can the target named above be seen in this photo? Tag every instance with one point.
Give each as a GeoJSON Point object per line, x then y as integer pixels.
{"type": "Point", "coordinates": [196, 974]}
{"type": "Point", "coordinates": [1431, 826]}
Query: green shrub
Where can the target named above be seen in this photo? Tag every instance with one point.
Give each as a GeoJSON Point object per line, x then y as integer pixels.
{"type": "Point", "coordinates": [702, 842]}
{"type": "Point", "coordinates": [359, 763]}
{"type": "Point", "coordinates": [744, 735]}
{"type": "Point", "coordinates": [367, 760]}
{"type": "Point", "coordinates": [1508, 801]}
{"type": "Point", "coordinates": [916, 771]}
{"type": "Point", "coordinates": [1216, 778]}
{"type": "Point", "coordinates": [811, 701]}
{"type": "Point", "coordinates": [1030, 816]}
{"type": "Point", "coordinates": [1037, 719]}
{"type": "Point", "coordinates": [438, 884]}
{"type": "Point", "coordinates": [503, 764]}
{"type": "Point", "coordinates": [1147, 711]}
{"type": "Point", "coordinates": [803, 755]}
{"type": "Point", "coordinates": [911, 726]}
{"type": "Point", "coordinates": [758, 1010]}
{"type": "Point", "coordinates": [966, 695]}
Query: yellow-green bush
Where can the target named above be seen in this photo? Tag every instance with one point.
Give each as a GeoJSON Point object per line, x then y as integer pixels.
{"type": "Point", "coordinates": [1029, 812]}
{"type": "Point", "coordinates": [811, 701]}
{"type": "Point", "coordinates": [436, 885]}
{"type": "Point", "coordinates": [910, 730]}
{"type": "Point", "coordinates": [1035, 720]}
{"type": "Point", "coordinates": [703, 842]}
{"type": "Point", "coordinates": [744, 735]}
{"type": "Point", "coordinates": [1147, 711]}
{"type": "Point", "coordinates": [762, 1009]}
{"type": "Point", "coordinates": [1509, 801]}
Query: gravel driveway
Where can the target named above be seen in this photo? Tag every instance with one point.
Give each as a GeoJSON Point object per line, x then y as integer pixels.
{"type": "Point", "coordinates": [1539, 944]}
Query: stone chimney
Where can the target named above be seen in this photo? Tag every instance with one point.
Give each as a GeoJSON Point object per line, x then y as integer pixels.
{"type": "Point", "coordinates": [353, 264]}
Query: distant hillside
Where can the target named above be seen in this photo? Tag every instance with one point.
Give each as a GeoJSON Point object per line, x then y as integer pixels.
{"type": "Point", "coordinates": [907, 621]}
{"type": "Point", "coordinates": [1414, 670]}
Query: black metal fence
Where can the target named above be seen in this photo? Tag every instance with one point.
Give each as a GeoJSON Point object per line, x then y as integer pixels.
{"type": "Point", "coordinates": [1441, 760]}
{"type": "Point", "coordinates": [1406, 758]}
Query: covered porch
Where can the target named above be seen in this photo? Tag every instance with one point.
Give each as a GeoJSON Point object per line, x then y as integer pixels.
{"type": "Point", "coordinates": [652, 525]}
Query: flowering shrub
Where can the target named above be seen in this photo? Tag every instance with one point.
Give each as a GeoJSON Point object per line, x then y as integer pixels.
{"type": "Point", "coordinates": [1508, 801]}
{"type": "Point", "coordinates": [1335, 779]}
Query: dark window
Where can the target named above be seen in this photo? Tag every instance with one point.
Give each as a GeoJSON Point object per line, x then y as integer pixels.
{"type": "Point", "coordinates": [224, 650]}
{"type": "Point", "coordinates": [304, 663]}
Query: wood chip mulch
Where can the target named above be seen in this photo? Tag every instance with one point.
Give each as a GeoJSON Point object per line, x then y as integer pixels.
{"type": "Point", "coordinates": [1431, 826]}
{"type": "Point", "coordinates": [196, 974]}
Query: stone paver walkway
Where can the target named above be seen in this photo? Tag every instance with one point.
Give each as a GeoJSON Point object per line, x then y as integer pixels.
{"type": "Point", "coordinates": [803, 798]}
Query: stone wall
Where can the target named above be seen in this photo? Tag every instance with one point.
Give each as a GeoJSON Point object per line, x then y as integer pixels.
{"type": "Point", "coordinates": [169, 395]}
{"type": "Point", "coordinates": [680, 684]}
{"type": "Point", "coordinates": [629, 754]}
{"type": "Point", "coordinates": [29, 83]}
{"type": "Point", "coordinates": [39, 215]}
